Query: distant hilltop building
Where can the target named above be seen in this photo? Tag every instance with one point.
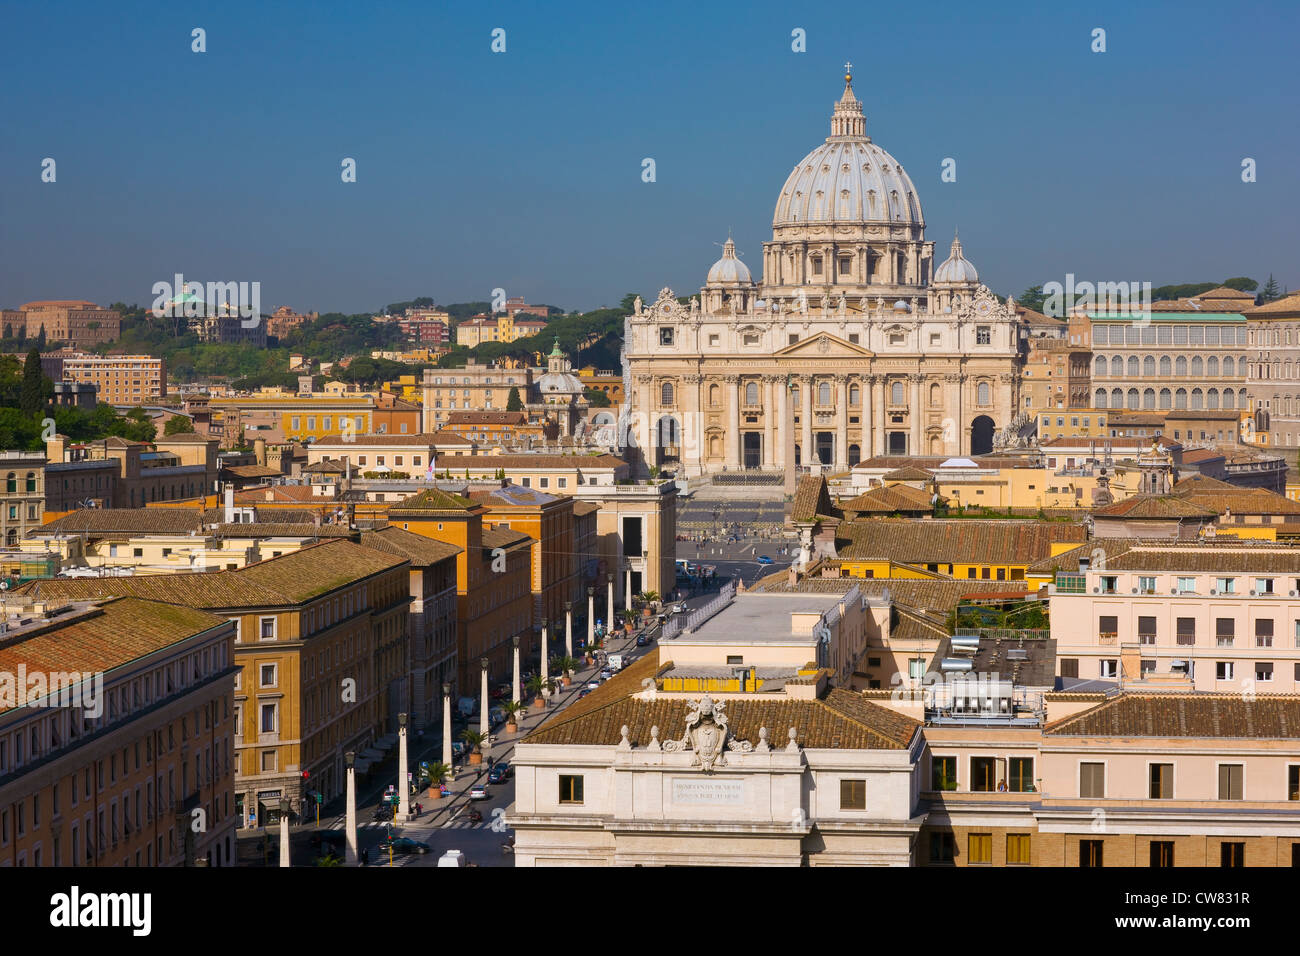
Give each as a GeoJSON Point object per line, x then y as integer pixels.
{"type": "Point", "coordinates": [498, 328]}
{"type": "Point", "coordinates": [284, 320]}
{"type": "Point", "coordinates": [78, 322]}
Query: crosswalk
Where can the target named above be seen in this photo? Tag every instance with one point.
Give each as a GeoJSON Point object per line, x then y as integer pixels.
{"type": "Point", "coordinates": [420, 824]}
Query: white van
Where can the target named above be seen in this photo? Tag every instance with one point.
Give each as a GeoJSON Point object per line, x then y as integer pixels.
{"type": "Point", "coordinates": [452, 858]}
{"type": "Point", "coordinates": [615, 662]}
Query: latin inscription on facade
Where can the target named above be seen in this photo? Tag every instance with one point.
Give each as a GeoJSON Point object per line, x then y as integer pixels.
{"type": "Point", "coordinates": [695, 790]}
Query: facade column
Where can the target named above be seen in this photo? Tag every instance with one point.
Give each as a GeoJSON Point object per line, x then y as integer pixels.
{"type": "Point", "coordinates": [878, 440]}
{"type": "Point", "coordinates": [609, 602]}
{"type": "Point", "coordinates": [915, 414]}
{"type": "Point", "coordinates": [769, 410]}
{"type": "Point", "coordinates": [350, 833]}
{"type": "Point", "coordinates": [568, 628]}
{"type": "Point", "coordinates": [403, 788]}
{"type": "Point", "coordinates": [842, 422]}
{"type": "Point", "coordinates": [783, 422]}
{"type": "Point", "coordinates": [806, 414]}
{"type": "Point", "coordinates": [627, 587]}
{"type": "Point", "coordinates": [733, 423]}
{"type": "Point", "coordinates": [446, 734]}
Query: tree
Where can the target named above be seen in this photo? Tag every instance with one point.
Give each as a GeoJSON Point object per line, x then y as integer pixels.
{"type": "Point", "coordinates": [514, 403]}
{"type": "Point", "coordinates": [596, 398]}
{"type": "Point", "coordinates": [1270, 291]}
{"type": "Point", "coordinates": [32, 401]}
{"type": "Point", "coordinates": [40, 340]}
{"type": "Point", "coordinates": [1032, 298]}
{"type": "Point", "coordinates": [628, 301]}
{"type": "Point", "coordinates": [1241, 284]}
{"type": "Point", "coordinates": [178, 425]}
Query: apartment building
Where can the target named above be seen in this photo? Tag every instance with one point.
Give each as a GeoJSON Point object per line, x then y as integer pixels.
{"type": "Point", "coordinates": [22, 503]}
{"type": "Point", "coordinates": [123, 757]}
{"type": "Point", "coordinates": [508, 429]}
{"type": "Point", "coordinates": [322, 661]}
{"type": "Point", "coordinates": [120, 379]}
{"type": "Point", "coordinates": [237, 421]}
{"type": "Point", "coordinates": [119, 473]}
{"type": "Point", "coordinates": [472, 388]}
{"type": "Point", "coordinates": [1273, 373]}
{"type": "Point", "coordinates": [1205, 616]}
{"type": "Point", "coordinates": [284, 320]}
{"type": "Point", "coordinates": [400, 456]}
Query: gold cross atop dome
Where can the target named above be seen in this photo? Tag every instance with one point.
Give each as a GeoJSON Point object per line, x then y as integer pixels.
{"type": "Point", "coordinates": [848, 72]}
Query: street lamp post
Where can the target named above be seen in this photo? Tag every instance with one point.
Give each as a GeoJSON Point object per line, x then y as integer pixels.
{"type": "Point", "coordinates": [609, 602]}
{"type": "Point", "coordinates": [285, 807]}
{"type": "Point", "coordinates": [350, 834]}
{"type": "Point", "coordinates": [568, 627]}
{"type": "Point", "coordinates": [403, 788]}
{"type": "Point", "coordinates": [627, 587]}
{"type": "Point", "coordinates": [483, 703]}
{"type": "Point", "coordinates": [545, 660]}
{"type": "Point", "coordinates": [446, 731]}
{"type": "Point", "coordinates": [514, 686]}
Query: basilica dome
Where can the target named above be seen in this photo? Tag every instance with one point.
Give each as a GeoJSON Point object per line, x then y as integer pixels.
{"type": "Point", "coordinates": [848, 178]}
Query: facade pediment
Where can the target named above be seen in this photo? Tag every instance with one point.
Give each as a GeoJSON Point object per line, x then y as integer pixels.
{"type": "Point", "coordinates": [823, 344]}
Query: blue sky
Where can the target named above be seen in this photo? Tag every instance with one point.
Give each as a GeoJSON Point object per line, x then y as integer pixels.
{"type": "Point", "coordinates": [522, 170]}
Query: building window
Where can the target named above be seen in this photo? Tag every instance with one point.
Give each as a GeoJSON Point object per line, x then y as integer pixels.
{"type": "Point", "coordinates": [1232, 854]}
{"type": "Point", "coordinates": [980, 848]}
{"type": "Point", "coordinates": [983, 336]}
{"type": "Point", "coordinates": [983, 774]}
{"type": "Point", "coordinates": [266, 629]}
{"type": "Point", "coordinates": [983, 394]}
{"type": "Point", "coordinates": [1224, 631]}
{"type": "Point", "coordinates": [1230, 779]}
{"type": "Point", "coordinates": [853, 794]}
{"type": "Point", "coordinates": [665, 335]}
{"type": "Point", "coordinates": [1162, 781]}
{"type": "Point", "coordinates": [268, 718]}
{"type": "Point", "coordinates": [1090, 853]}
{"type": "Point", "coordinates": [1162, 853]}
{"type": "Point", "coordinates": [666, 394]}
{"type": "Point", "coordinates": [1186, 631]}
{"type": "Point", "coordinates": [943, 773]}
{"type": "Point", "coordinates": [1264, 672]}
{"type": "Point", "coordinates": [1092, 781]}
{"type": "Point", "coordinates": [1293, 782]}
{"type": "Point", "coordinates": [1108, 668]}
{"type": "Point", "coordinates": [570, 788]}
{"type": "Point", "coordinates": [1017, 849]}
{"type": "Point", "coordinates": [1146, 629]}
{"type": "Point", "coordinates": [268, 675]}
{"type": "Point", "coordinates": [1223, 670]}
{"type": "Point", "coordinates": [941, 846]}
{"type": "Point", "coordinates": [1020, 772]}
{"type": "Point", "coordinates": [1264, 632]}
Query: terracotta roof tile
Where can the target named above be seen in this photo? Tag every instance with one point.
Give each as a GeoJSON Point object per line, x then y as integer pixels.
{"type": "Point", "coordinates": [420, 550]}
{"type": "Point", "coordinates": [1219, 716]}
{"type": "Point", "coordinates": [1147, 507]}
{"type": "Point", "coordinates": [955, 541]}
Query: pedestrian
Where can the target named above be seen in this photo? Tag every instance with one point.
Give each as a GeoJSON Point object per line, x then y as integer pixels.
{"type": "Point", "coordinates": [365, 857]}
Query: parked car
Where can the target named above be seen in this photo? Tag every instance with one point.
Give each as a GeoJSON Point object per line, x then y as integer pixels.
{"type": "Point", "coordinates": [642, 640]}
{"type": "Point", "coordinates": [384, 813]}
{"type": "Point", "coordinates": [593, 685]}
{"type": "Point", "coordinates": [478, 792]}
{"type": "Point", "coordinates": [764, 559]}
{"type": "Point", "coordinates": [458, 748]}
{"type": "Point", "coordinates": [500, 773]}
{"type": "Point", "coordinates": [495, 716]}
{"type": "Point", "coordinates": [404, 845]}
{"type": "Point", "coordinates": [606, 673]}
{"type": "Point", "coordinates": [584, 692]}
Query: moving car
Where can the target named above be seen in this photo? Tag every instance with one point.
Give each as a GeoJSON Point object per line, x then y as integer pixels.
{"type": "Point", "coordinates": [478, 792]}
{"type": "Point", "coordinates": [500, 773]}
{"type": "Point", "coordinates": [404, 845]}
{"type": "Point", "coordinates": [584, 692]}
{"type": "Point", "coordinates": [452, 858]}
{"type": "Point", "coordinates": [383, 812]}
{"type": "Point", "coordinates": [642, 640]}
{"type": "Point", "coordinates": [764, 559]}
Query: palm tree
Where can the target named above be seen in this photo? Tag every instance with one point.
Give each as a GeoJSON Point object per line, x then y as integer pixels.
{"type": "Point", "coordinates": [511, 709]}
{"type": "Point", "coordinates": [567, 665]}
{"type": "Point", "coordinates": [473, 739]}
{"type": "Point", "coordinates": [437, 772]}
{"type": "Point", "coordinates": [534, 687]}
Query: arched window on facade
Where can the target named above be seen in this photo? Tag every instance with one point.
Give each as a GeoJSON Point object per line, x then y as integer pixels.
{"type": "Point", "coordinates": [1198, 398]}
{"type": "Point", "coordinates": [1099, 366]}
{"type": "Point", "coordinates": [984, 394]}
{"type": "Point", "coordinates": [936, 395]}
{"type": "Point", "coordinates": [855, 395]}
{"type": "Point", "coordinates": [1229, 398]}
{"type": "Point", "coordinates": [1166, 366]}
{"type": "Point", "coordinates": [1180, 398]}
{"type": "Point", "coordinates": [1212, 366]}
{"type": "Point", "coordinates": [1116, 398]}
{"type": "Point", "coordinates": [1149, 398]}
{"type": "Point", "coordinates": [1198, 366]}
{"type": "Point", "coordinates": [666, 394]}
{"type": "Point", "coordinates": [1099, 400]}
{"type": "Point", "coordinates": [1166, 398]}
{"type": "Point", "coordinates": [751, 393]}
{"type": "Point", "coordinates": [1229, 366]}
{"type": "Point", "coordinates": [896, 393]}
{"type": "Point", "coordinates": [1212, 398]}
{"type": "Point", "coordinates": [1134, 367]}
{"type": "Point", "coordinates": [794, 397]}
{"type": "Point", "coordinates": [1116, 366]}
{"type": "Point", "coordinates": [1133, 399]}
{"type": "Point", "coordinates": [715, 396]}
{"type": "Point", "coordinates": [1149, 366]}
{"type": "Point", "coordinates": [823, 393]}
{"type": "Point", "coordinates": [1180, 366]}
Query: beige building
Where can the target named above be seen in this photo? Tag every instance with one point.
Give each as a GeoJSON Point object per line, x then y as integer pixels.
{"type": "Point", "coordinates": [852, 344]}
{"type": "Point", "coordinates": [1273, 373]}
{"type": "Point", "coordinates": [22, 504]}
{"type": "Point", "coordinates": [123, 754]}
{"type": "Point", "coordinates": [79, 323]}
{"type": "Point", "coordinates": [472, 388]}
{"type": "Point", "coordinates": [120, 379]}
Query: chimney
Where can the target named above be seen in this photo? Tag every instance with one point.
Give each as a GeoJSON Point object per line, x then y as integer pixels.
{"type": "Point", "coordinates": [229, 514]}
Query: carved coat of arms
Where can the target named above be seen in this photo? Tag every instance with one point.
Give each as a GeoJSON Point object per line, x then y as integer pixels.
{"type": "Point", "coordinates": [707, 735]}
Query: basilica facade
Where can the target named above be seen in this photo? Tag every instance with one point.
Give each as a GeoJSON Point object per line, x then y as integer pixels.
{"type": "Point", "coordinates": [852, 344]}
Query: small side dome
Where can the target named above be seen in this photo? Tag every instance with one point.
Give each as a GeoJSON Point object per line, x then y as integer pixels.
{"type": "Point", "coordinates": [956, 268]}
{"type": "Point", "coordinates": [729, 269]}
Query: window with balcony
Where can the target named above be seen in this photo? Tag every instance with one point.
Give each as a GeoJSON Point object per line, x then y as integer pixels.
{"type": "Point", "coordinates": [1107, 628]}
{"type": "Point", "coordinates": [1146, 629]}
{"type": "Point", "coordinates": [1108, 582]}
{"type": "Point", "coordinates": [1264, 632]}
{"type": "Point", "coordinates": [1225, 585]}
{"type": "Point", "coordinates": [1264, 585]}
{"type": "Point", "coordinates": [1020, 774]}
{"type": "Point", "coordinates": [1146, 585]}
{"type": "Point", "coordinates": [1186, 586]}
{"type": "Point", "coordinates": [1186, 631]}
{"type": "Point", "coordinates": [1225, 631]}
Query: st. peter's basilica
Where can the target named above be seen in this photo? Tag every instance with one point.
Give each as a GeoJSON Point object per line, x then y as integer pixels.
{"type": "Point", "coordinates": [852, 344]}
